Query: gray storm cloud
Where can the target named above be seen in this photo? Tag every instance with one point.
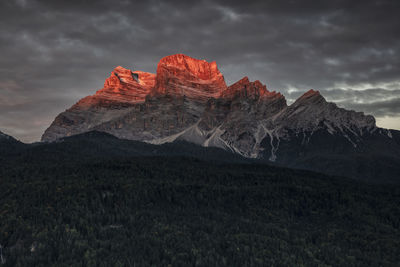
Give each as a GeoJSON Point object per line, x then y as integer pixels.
{"type": "Point", "coordinates": [55, 52]}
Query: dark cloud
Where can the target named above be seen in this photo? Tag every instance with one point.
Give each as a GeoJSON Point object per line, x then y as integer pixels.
{"type": "Point", "coordinates": [55, 52]}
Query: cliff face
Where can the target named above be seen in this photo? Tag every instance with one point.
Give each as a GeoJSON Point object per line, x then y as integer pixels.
{"type": "Point", "coordinates": [127, 86]}
{"type": "Point", "coordinates": [180, 75]}
{"type": "Point", "coordinates": [188, 100]}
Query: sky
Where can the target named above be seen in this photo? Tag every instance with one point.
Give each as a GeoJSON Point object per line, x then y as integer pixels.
{"type": "Point", "coordinates": [55, 52]}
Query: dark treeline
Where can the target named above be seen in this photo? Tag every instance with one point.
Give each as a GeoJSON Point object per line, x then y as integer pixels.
{"type": "Point", "coordinates": [182, 211]}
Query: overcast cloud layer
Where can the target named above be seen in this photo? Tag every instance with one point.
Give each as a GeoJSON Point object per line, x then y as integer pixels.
{"type": "Point", "coordinates": [56, 52]}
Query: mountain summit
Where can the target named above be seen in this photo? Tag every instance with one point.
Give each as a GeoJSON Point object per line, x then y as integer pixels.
{"type": "Point", "coordinates": [180, 75]}
{"type": "Point", "coordinates": [188, 99]}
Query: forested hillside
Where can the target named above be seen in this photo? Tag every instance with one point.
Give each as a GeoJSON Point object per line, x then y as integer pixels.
{"type": "Point", "coordinates": [84, 209]}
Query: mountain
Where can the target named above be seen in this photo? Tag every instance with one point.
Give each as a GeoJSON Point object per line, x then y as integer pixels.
{"type": "Point", "coordinates": [188, 99]}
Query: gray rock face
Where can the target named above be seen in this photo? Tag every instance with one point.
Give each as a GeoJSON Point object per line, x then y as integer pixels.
{"type": "Point", "coordinates": [190, 101]}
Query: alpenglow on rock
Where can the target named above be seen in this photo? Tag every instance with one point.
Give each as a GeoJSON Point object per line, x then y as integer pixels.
{"type": "Point", "coordinates": [188, 99]}
{"type": "Point", "coordinates": [180, 75]}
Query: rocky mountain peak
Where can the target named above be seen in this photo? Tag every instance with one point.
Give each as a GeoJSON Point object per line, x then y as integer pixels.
{"type": "Point", "coordinates": [244, 88]}
{"type": "Point", "coordinates": [126, 86]}
{"type": "Point", "coordinates": [310, 97]}
{"type": "Point", "coordinates": [311, 93]}
{"type": "Point", "coordinates": [240, 84]}
{"type": "Point", "coordinates": [183, 76]}
{"type": "Point", "coordinates": [199, 68]}
{"type": "Point", "coordinates": [311, 111]}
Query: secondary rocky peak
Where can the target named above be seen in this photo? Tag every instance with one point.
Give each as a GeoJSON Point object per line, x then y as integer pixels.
{"type": "Point", "coordinates": [311, 97]}
{"type": "Point", "coordinates": [127, 86]}
{"type": "Point", "coordinates": [311, 112]}
{"type": "Point", "coordinates": [183, 76]}
{"type": "Point", "coordinates": [244, 88]}
{"type": "Point", "coordinates": [242, 83]}
{"type": "Point", "coordinates": [312, 94]}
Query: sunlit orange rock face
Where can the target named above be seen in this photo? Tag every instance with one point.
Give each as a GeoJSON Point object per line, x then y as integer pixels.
{"type": "Point", "coordinates": [180, 75]}
{"type": "Point", "coordinates": [177, 75]}
{"type": "Point", "coordinates": [123, 88]}
{"type": "Point", "coordinates": [125, 85]}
